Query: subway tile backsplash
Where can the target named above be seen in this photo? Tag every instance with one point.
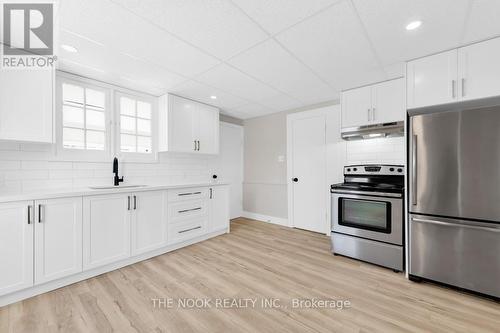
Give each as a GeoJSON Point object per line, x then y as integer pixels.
{"type": "Point", "coordinates": [31, 167]}
{"type": "Point", "coordinates": [374, 151]}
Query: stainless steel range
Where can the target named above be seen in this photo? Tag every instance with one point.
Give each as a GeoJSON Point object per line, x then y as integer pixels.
{"type": "Point", "coordinates": [367, 214]}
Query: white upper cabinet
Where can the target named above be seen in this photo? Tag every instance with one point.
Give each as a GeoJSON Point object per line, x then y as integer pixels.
{"type": "Point", "coordinates": [188, 126]}
{"type": "Point", "coordinates": [356, 107]}
{"type": "Point", "coordinates": [468, 73]}
{"type": "Point", "coordinates": [388, 101]}
{"type": "Point", "coordinates": [16, 246]}
{"type": "Point", "coordinates": [432, 80]}
{"type": "Point", "coordinates": [479, 70]}
{"type": "Point", "coordinates": [208, 129]}
{"type": "Point", "coordinates": [26, 105]}
{"type": "Point", "coordinates": [58, 238]}
{"type": "Point", "coordinates": [375, 104]}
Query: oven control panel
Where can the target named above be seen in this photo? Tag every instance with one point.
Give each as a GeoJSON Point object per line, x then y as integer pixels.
{"type": "Point", "coordinates": [374, 170]}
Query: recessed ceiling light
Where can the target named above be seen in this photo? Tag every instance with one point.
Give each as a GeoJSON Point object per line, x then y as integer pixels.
{"type": "Point", "coordinates": [413, 25]}
{"type": "Point", "coordinates": [213, 97]}
{"type": "Point", "coordinates": [69, 48]}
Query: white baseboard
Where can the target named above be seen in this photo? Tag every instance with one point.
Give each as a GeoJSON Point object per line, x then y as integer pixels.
{"type": "Point", "coordinates": [266, 218]}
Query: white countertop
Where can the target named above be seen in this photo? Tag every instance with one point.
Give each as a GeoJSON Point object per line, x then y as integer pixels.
{"type": "Point", "coordinates": [86, 191]}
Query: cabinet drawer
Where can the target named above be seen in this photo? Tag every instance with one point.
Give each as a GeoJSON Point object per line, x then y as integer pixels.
{"type": "Point", "coordinates": [187, 194]}
{"type": "Point", "coordinates": [188, 229]}
{"type": "Point", "coordinates": [179, 211]}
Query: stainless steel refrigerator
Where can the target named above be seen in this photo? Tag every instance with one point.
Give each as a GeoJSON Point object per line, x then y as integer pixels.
{"type": "Point", "coordinates": [454, 204]}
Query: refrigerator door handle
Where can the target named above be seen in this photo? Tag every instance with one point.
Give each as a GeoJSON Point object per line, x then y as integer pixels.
{"type": "Point", "coordinates": [414, 170]}
{"type": "Point", "coordinates": [460, 225]}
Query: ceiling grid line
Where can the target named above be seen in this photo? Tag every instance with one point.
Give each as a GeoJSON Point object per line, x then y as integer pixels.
{"type": "Point", "coordinates": [272, 36]}
{"type": "Point", "coordinates": [368, 39]}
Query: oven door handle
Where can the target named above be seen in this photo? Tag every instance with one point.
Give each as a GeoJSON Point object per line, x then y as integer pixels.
{"type": "Point", "coordinates": [391, 195]}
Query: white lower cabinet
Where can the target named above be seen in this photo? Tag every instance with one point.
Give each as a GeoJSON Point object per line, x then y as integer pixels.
{"type": "Point", "coordinates": [58, 238]}
{"type": "Point", "coordinates": [219, 208]}
{"type": "Point", "coordinates": [106, 229]}
{"type": "Point", "coordinates": [43, 241]}
{"type": "Point", "coordinates": [148, 221]}
{"type": "Point", "coordinates": [16, 246]}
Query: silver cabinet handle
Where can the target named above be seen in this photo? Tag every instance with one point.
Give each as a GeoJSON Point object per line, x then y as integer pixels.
{"type": "Point", "coordinates": [414, 170]}
{"type": "Point", "coordinates": [463, 87]}
{"type": "Point", "coordinates": [211, 192]}
{"type": "Point", "coordinates": [194, 145]}
{"type": "Point", "coordinates": [40, 212]}
{"type": "Point", "coordinates": [199, 145]}
{"type": "Point", "coordinates": [188, 193]}
{"type": "Point", "coordinates": [128, 202]}
{"type": "Point", "coordinates": [135, 202]}
{"type": "Point", "coordinates": [368, 114]}
{"type": "Point", "coordinates": [189, 210]}
{"type": "Point", "coordinates": [453, 89]}
{"type": "Point", "coordinates": [373, 113]}
{"type": "Point", "coordinates": [30, 216]}
{"type": "Point", "coordinates": [190, 229]}
{"type": "Point", "coordinates": [461, 225]}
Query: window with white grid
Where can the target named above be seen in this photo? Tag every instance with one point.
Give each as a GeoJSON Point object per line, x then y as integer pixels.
{"type": "Point", "coordinates": [83, 118]}
{"type": "Point", "coordinates": [135, 125]}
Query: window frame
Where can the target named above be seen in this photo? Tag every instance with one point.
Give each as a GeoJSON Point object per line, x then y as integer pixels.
{"type": "Point", "coordinates": [83, 154]}
{"type": "Point", "coordinates": [135, 156]}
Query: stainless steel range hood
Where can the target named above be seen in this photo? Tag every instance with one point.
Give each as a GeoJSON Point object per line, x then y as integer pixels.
{"type": "Point", "coordinates": [373, 131]}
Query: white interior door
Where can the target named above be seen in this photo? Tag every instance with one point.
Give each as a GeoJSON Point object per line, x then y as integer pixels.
{"type": "Point", "coordinates": [229, 165]}
{"type": "Point", "coordinates": [307, 170]}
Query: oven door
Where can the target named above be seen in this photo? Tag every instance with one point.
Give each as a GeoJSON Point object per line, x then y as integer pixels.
{"type": "Point", "coordinates": [370, 217]}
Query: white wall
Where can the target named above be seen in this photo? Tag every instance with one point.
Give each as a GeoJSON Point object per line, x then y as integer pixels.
{"type": "Point", "coordinates": [32, 167]}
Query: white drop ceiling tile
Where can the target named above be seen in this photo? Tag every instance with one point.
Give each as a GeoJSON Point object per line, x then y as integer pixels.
{"type": "Point", "coordinates": [216, 26]}
{"type": "Point", "coordinates": [281, 102]}
{"type": "Point", "coordinates": [235, 82]}
{"type": "Point", "coordinates": [99, 62]}
{"type": "Point", "coordinates": [386, 20]}
{"type": "Point", "coordinates": [332, 43]}
{"type": "Point", "coordinates": [483, 21]}
{"type": "Point", "coordinates": [250, 111]}
{"type": "Point", "coordinates": [272, 64]}
{"type": "Point", "coordinates": [276, 15]}
{"type": "Point", "coordinates": [115, 27]}
{"type": "Point", "coordinates": [202, 92]}
{"type": "Point", "coordinates": [395, 70]}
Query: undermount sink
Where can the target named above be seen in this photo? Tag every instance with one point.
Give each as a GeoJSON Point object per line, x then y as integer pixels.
{"type": "Point", "coordinates": [107, 187]}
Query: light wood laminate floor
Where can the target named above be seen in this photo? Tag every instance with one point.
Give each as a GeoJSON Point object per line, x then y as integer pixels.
{"type": "Point", "coordinates": [256, 261]}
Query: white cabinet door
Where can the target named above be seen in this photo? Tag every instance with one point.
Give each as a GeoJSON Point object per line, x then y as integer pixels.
{"type": "Point", "coordinates": [479, 70]}
{"type": "Point", "coordinates": [58, 238]}
{"type": "Point", "coordinates": [16, 246]}
{"type": "Point", "coordinates": [432, 80]}
{"type": "Point", "coordinates": [106, 229]}
{"type": "Point", "coordinates": [219, 208]}
{"type": "Point", "coordinates": [388, 101]}
{"type": "Point", "coordinates": [356, 107]}
{"type": "Point", "coordinates": [26, 105]}
{"type": "Point", "coordinates": [149, 221]}
{"type": "Point", "coordinates": [181, 115]}
{"type": "Point", "coordinates": [207, 129]}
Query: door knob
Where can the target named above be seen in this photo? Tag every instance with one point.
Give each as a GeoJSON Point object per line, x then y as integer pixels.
{"type": "Point", "coordinates": [295, 179]}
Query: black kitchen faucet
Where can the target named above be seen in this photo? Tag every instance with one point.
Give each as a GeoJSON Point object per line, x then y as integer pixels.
{"type": "Point", "coordinates": [118, 180]}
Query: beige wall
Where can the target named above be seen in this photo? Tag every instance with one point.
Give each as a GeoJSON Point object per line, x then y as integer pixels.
{"type": "Point", "coordinates": [265, 183]}
{"type": "Point", "coordinates": [264, 186]}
